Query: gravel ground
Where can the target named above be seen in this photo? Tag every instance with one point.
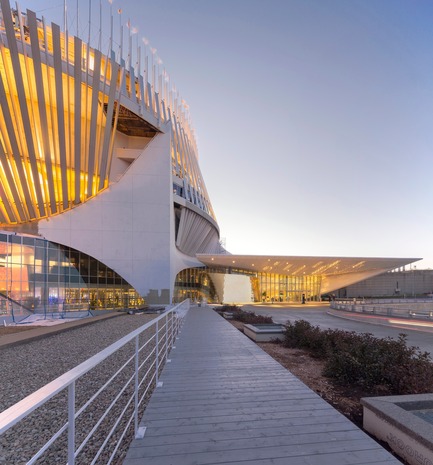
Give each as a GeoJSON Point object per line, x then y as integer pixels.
{"type": "Point", "coordinates": [27, 367]}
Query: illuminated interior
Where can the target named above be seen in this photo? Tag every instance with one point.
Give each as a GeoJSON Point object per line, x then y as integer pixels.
{"type": "Point", "coordinates": [284, 288]}
{"type": "Point", "coordinates": [38, 276]}
{"type": "Point", "coordinates": [55, 144]}
{"type": "Point", "coordinates": [196, 284]}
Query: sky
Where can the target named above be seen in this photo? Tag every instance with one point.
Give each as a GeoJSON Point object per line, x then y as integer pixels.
{"type": "Point", "coordinates": [314, 118]}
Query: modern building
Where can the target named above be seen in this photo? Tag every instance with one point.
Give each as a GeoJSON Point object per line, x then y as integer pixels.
{"type": "Point", "coordinates": [102, 201]}
{"type": "Point", "coordinates": [398, 283]}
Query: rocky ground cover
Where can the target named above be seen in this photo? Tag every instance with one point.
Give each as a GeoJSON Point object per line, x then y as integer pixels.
{"type": "Point", "coordinates": [29, 366]}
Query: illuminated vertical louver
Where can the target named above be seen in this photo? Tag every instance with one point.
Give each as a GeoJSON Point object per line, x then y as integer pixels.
{"type": "Point", "coordinates": [61, 104]}
{"type": "Point", "coordinates": [57, 104]}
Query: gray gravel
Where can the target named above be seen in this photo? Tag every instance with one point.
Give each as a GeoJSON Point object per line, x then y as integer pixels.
{"type": "Point", "coordinates": [27, 367]}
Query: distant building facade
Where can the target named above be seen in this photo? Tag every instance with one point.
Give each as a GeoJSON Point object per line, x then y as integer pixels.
{"type": "Point", "coordinates": [410, 283]}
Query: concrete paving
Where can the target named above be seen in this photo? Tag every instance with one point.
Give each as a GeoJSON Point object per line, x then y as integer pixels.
{"type": "Point", "coordinates": [225, 401]}
{"type": "Point", "coordinates": [418, 332]}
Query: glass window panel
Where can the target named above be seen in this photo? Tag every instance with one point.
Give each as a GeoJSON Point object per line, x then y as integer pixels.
{"type": "Point", "coordinates": [93, 267]}
{"type": "Point", "coordinates": [102, 270]}
{"type": "Point", "coordinates": [28, 255]}
{"type": "Point", "coordinates": [16, 254]}
{"type": "Point", "coordinates": [29, 241]}
{"type": "Point", "coordinates": [42, 274]}
{"type": "Point", "coordinates": [74, 259]}
{"type": "Point", "coordinates": [53, 255]}
{"type": "Point", "coordinates": [84, 265]}
{"type": "Point", "coordinates": [52, 278]}
{"type": "Point", "coordinates": [15, 239]}
{"type": "Point", "coordinates": [39, 253]}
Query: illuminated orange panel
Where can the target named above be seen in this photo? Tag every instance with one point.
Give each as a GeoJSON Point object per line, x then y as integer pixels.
{"type": "Point", "coordinates": [19, 277]}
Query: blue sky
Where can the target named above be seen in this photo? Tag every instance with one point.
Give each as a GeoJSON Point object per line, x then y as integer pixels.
{"type": "Point", "coordinates": [313, 117]}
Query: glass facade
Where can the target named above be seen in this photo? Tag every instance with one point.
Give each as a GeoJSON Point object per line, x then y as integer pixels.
{"type": "Point", "coordinates": [196, 284]}
{"type": "Point", "coordinates": [38, 276]}
{"type": "Point", "coordinates": [286, 288]}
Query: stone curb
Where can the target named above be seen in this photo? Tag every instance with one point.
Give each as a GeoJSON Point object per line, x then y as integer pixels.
{"type": "Point", "coordinates": [10, 340]}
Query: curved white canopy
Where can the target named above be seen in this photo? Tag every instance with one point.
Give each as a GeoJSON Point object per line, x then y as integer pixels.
{"type": "Point", "coordinates": [336, 272]}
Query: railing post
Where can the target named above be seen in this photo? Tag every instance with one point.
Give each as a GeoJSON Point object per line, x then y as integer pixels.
{"type": "Point", "coordinates": [136, 388]}
{"type": "Point", "coordinates": [157, 351]}
{"type": "Point", "coordinates": [172, 329]}
{"type": "Point", "coordinates": [71, 423]}
{"type": "Point", "coordinates": [166, 336]}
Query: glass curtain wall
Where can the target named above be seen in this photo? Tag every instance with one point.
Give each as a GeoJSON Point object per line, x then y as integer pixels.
{"type": "Point", "coordinates": [282, 288]}
{"type": "Point", "coordinates": [194, 284]}
{"type": "Point", "coordinates": [38, 276]}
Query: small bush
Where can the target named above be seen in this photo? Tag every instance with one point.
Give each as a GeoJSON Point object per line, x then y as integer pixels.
{"type": "Point", "coordinates": [228, 308]}
{"type": "Point", "coordinates": [251, 318]}
{"type": "Point", "coordinates": [244, 317]}
{"type": "Point", "coordinates": [304, 335]}
{"type": "Point", "coordinates": [386, 365]}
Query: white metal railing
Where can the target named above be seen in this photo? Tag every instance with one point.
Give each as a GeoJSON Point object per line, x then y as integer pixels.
{"type": "Point", "coordinates": [145, 355]}
{"type": "Point", "coordinates": [404, 308]}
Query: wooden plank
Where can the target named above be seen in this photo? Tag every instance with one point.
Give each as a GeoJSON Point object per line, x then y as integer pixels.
{"type": "Point", "coordinates": [223, 400]}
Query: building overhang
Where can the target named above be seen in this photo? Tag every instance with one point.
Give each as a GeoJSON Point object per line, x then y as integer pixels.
{"type": "Point", "coordinates": [336, 272]}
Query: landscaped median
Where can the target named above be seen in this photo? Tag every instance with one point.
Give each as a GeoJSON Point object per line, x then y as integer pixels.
{"type": "Point", "coordinates": [343, 367]}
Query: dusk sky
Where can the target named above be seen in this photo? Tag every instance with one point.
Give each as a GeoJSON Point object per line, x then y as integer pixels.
{"type": "Point", "coordinates": [314, 118]}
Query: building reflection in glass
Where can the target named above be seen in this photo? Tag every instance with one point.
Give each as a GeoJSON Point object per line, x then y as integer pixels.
{"type": "Point", "coordinates": [38, 276]}
{"type": "Point", "coordinates": [196, 284]}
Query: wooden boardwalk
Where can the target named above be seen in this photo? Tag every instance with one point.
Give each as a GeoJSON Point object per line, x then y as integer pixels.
{"type": "Point", "coordinates": [225, 401]}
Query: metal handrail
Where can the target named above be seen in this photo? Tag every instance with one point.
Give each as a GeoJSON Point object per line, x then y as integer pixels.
{"type": "Point", "coordinates": [166, 327]}
{"type": "Point", "coordinates": [403, 308]}
{"type": "Point", "coordinates": [399, 301]}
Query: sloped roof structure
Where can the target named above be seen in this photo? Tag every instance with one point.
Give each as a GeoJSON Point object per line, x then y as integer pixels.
{"type": "Point", "coordinates": [336, 272]}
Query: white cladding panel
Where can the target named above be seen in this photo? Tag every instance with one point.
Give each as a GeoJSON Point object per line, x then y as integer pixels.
{"type": "Point", "coordinates": [232, 288]}
{"type": "Point", "coordinates": [128, 226]}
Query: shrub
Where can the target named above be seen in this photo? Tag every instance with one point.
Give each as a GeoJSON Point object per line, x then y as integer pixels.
{"type": "Point", "coordinates": [304, 335]}
{"type": "Point", "coordinates": [244, 317]}
{"type": "Point", "coordinates": [386, 365]}
{"type": "Point", "coordinates": [382, 364]}
{"type": "Point", "coordinates": [228, 308]}
{"type": "Point", "coordinates": [251, 318]}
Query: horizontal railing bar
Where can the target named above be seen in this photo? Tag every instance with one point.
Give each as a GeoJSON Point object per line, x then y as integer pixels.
{"type": "Point", "coordinates": [21, 409]}
{"type": "Point", "coordinates": [122, 413]}
{"type": "Point", "coordinates": [147, 358]}
{"type": "Point", "coordinates": [147, 388]}
{"type": "Point", "coordinates": [48, 444]}
{"type": "Point", "coordinates": [103, 416]}
{"type": "Point", "coordinates": [145, 376]}
{"type": "Point", "coordinates": [119, 442]}
{"type": "Point", "coordinates": [103, 387]}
